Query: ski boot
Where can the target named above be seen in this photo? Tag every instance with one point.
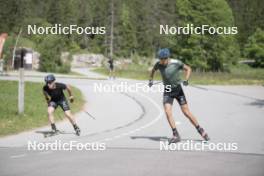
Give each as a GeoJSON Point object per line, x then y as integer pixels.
{"type": "Point", "coordinates": [203, 133]}
{"type": "Point", "coordinates": [77, 130]}
{"type": "Point", "coordinates": [54, 129]}
{"type": "Point", "coordinates": [175, 137]}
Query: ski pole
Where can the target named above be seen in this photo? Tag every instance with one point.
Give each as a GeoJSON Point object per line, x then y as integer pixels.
{"type": "Point", "coordinates": [89, 114]}
{"type": "Point", "coordinates": [197, 87]}
{"type": "Point", "coordinates": [157, 82]}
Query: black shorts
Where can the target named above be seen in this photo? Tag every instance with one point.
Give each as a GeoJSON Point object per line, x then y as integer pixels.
{"type": "Point", "coordinates": [62, 103]}
{"type": "Point", "coordinates": [111, 67]}
{"type": "Point", "coordinates": [176, 93]}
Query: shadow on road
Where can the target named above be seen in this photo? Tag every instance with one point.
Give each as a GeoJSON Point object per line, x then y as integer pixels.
{"type": "Point", "coordinates": [162, 138]}
{"type": "Point", "coordinates": [227, 92]}
{"type": "Point", "coordinates": [153, 138]}
{"type": "Point", "coordinates": [51, 133]}
{"type": "Point", "coordinates": [259, 103]}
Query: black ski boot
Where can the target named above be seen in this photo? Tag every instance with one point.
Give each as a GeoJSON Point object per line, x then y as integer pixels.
{"type": "Point", "coordinates": [54, 128]}
{"type": "Point", "coordinates": [202, 133]}
{"type": "Point", "coordinates": [175, 138]}
{"type": "Point", "coordinates": [77, 130]}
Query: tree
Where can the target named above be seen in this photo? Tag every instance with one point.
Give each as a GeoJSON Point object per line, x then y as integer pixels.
{"type": "Point", "coordinates": [50, 49]}
{"type": "Point", "coordinates": [248, 17]}
{"type": "Point", "coordinates": [254, 49]}
{"type": "Point", "coordinates": [126, 39]}
{"type": "Point", "coordinates": [206, 52]}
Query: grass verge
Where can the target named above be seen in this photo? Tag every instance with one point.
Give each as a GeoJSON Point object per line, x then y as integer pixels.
{"type": "Point", "coordinates": [239, 75]}
{"type": "Point", "coordinates": [35, 107]}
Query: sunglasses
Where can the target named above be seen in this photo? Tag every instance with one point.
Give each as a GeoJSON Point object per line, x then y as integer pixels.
{"type": "Point", "coordinates": [49, 83]}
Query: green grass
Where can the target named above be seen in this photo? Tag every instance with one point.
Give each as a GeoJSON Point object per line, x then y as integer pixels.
{"type": "Point", "coordinates": [239, 75]}
{"type": "Point", "coordinates": [35, 107]}
{"type": "Point", "coordinates": [134, 71]}
{"type": "Point", "coordinates": [72, 73]}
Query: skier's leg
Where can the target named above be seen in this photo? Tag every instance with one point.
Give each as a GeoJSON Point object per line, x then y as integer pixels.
{"type": "Point", "coordinates": [167, 104]}
{"type": "Point", "coordinates": [193, 120]}
{"type": "Point", "coordinates": [51, 109]}
{"type": "Point", "coordinates": [168, 112]}
{"type": "Point", "coordinates": [50, 114]}
{"type": "Point", "coordinates": [186, 111]}
{"type": "Point", "coordinates": [69, 115]}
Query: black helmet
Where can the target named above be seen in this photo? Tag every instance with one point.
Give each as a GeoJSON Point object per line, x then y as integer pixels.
{"type": "Point", "coordinates": [49, 78]}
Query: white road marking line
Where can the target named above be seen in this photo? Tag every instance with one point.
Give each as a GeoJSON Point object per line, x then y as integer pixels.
{"type": "Point", "coordinates": [18, 156]}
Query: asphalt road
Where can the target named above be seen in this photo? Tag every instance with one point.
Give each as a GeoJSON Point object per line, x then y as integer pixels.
{"type": "Point", "coordinates": [132, 127]}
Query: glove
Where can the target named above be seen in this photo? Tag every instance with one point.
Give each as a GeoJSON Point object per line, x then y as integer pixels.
{"type": "Point", "coordinates": [48, 100]}
{"type": "Point", "coordinates": [150, 83]}
{"type": "Point", "coordinates": [71, 98]}
{"type": "Point", "coordinates": [185, 83]}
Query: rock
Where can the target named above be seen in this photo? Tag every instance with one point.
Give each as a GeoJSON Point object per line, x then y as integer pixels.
{"type": "Point", "coordinates": [87, 60]}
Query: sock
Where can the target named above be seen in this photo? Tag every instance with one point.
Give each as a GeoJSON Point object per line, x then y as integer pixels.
{"type": "Point", "coordinates": [174, 132]}
{"type": "Point", "coordinates": [75, 126]}
{"type": "Point", "coordinates": [53, 126]}
{"type": "Point", "coordinates": [198, 127]}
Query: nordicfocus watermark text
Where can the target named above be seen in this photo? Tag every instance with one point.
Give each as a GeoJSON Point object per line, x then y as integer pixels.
{"type": "Point", "coordinates": [129, 88]}
{"type": "Point", "coordinates": [58, 29]}
{"type": "Point", "coordinates": [200, 30]}
{"type": "Point", "coordinates": [65, 146]}
{"type": "Point", "coordinates": [190, 145]}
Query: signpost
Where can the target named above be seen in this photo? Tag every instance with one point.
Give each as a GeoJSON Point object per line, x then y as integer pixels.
{"type": "Point", "coordinates": [21, 83]}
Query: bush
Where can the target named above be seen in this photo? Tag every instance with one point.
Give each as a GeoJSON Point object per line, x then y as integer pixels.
{"type": "Point", "coordinates": [255, 48]}
{"type": "Point", "coordinates": [50, 49]}
{"type": "Point", "coordinates": [206, 52]}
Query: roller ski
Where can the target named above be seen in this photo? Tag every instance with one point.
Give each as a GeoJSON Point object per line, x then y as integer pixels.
{"type": "Point", "coordinates": [54, 131]}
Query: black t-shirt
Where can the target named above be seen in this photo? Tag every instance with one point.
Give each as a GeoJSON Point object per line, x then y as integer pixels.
{"type": "Point", "coordinates": [111, 63]}
{"type": "Point", "coordinates": [57, 93]}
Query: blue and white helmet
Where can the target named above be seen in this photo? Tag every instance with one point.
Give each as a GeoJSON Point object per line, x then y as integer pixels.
{"type": "Point", "coordinates": [164, 53]}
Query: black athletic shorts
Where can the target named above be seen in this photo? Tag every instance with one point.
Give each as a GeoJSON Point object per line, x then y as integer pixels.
{"type": "Point", "coordinates": [62, 103]}
{"type": "Point", "coordinates": [111, 67]}
{"type": "Point", "coordinates": [176, 93]}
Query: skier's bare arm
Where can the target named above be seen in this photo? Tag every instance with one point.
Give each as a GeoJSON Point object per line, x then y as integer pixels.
{"type": "Point", "coordinates": [187, 71]}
